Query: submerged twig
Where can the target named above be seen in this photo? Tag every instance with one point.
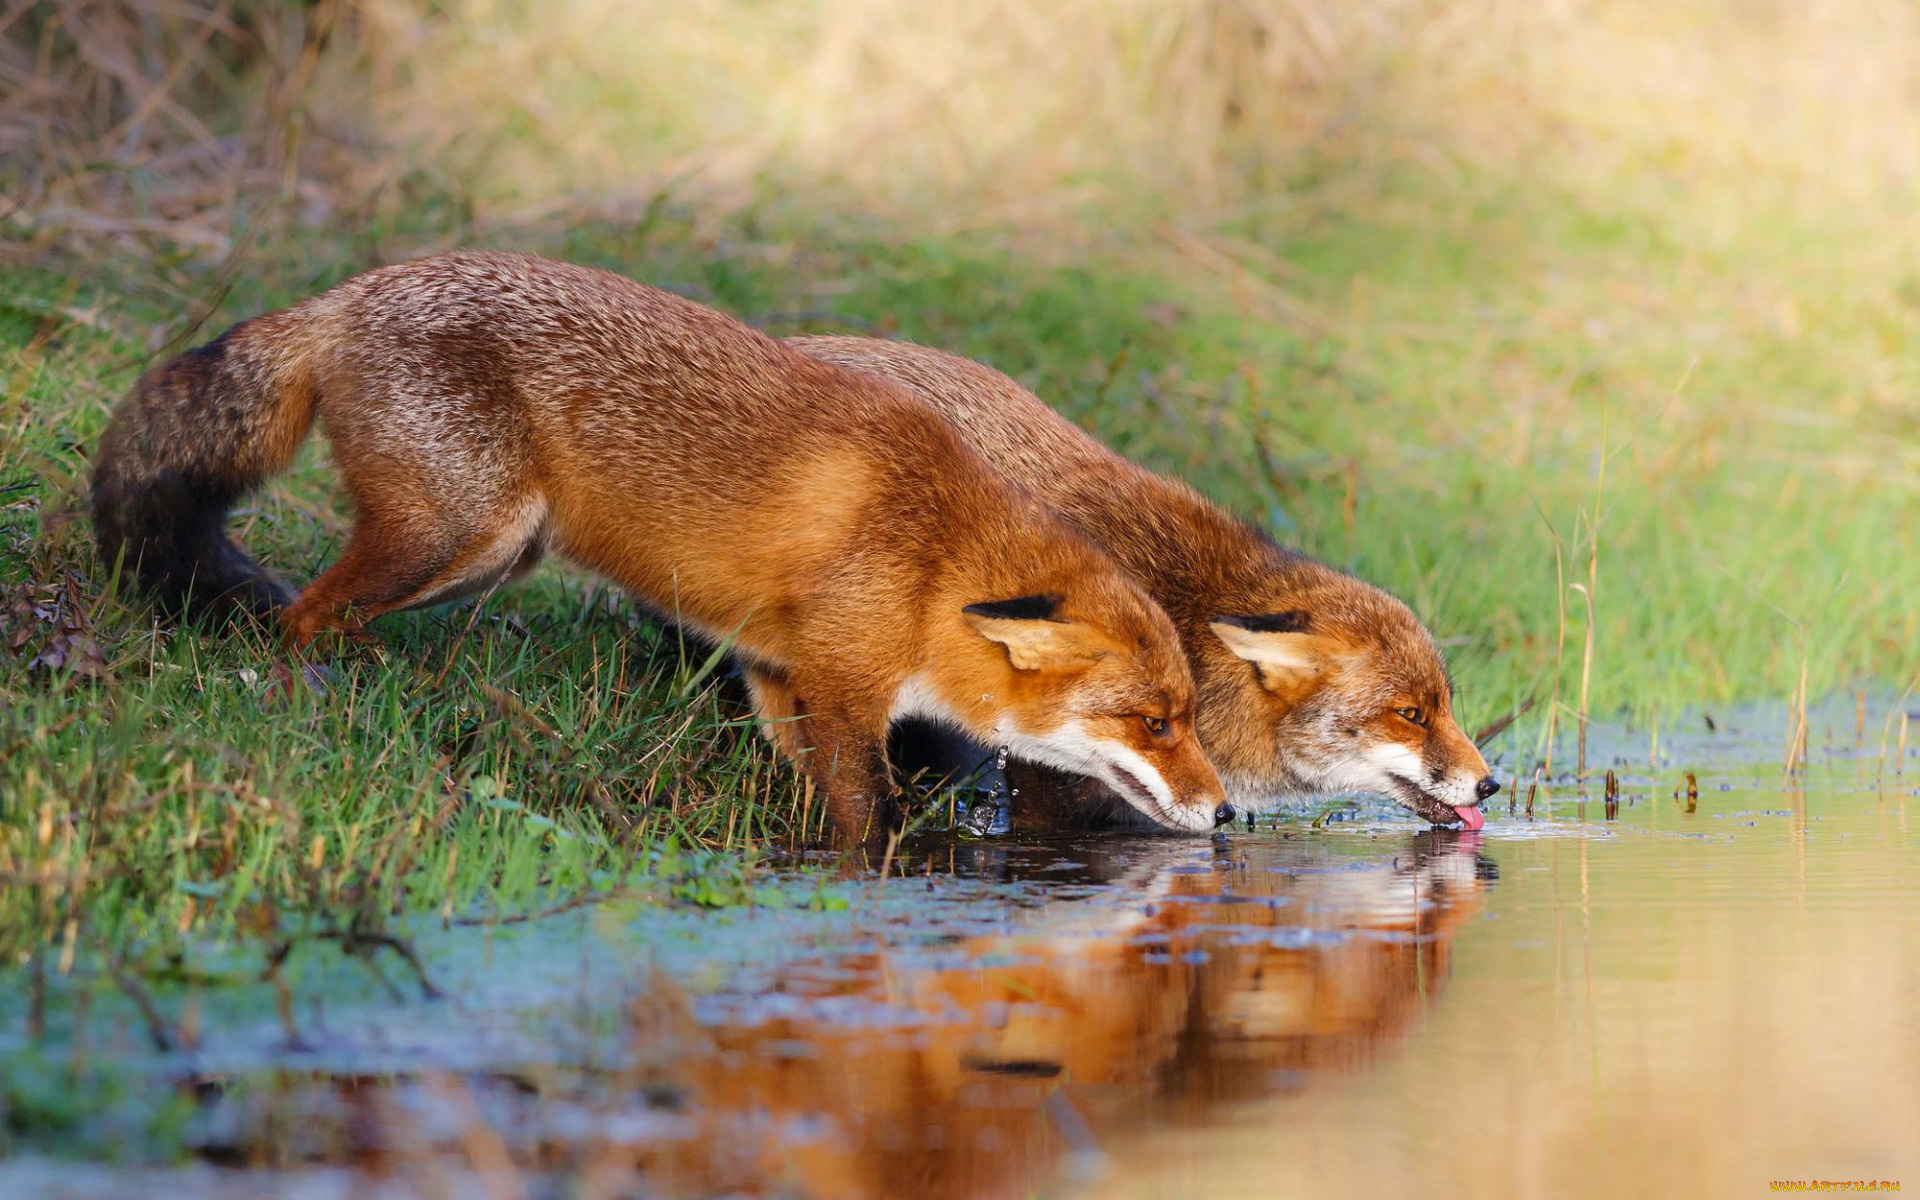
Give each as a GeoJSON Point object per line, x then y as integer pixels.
{"type": "Point", "coordinates": [159, 1032]}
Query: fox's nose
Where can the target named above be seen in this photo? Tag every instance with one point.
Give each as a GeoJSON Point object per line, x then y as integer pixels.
{"type": "Point", "coordinates": [1223, 814]}
{"type": "Point", "coordinates": [1486, 787]}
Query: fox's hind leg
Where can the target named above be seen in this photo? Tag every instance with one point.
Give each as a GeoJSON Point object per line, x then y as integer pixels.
{"type": "Point", "coordinates": [444, 496]}
{"type": "Point", "coordinates": [413, 557]}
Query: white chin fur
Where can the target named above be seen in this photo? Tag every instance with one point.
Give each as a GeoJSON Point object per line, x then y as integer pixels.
{"type": "Point", "coordinates": [1377, 771]}
{"type": "Point", "coordinates": [1071, 748]}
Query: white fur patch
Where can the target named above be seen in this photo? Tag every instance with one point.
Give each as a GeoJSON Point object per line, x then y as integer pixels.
{"type": "Point", "coordinates": [1392, 758]}
{"type": "Point", "coordinates": [1070, 747]}
{"type": "Point", "coordinates": [1195, 817]}
{"type": "Point", "coordinates": [1381, 769]}
{"type": "Point", "coordinates": [916, 698]}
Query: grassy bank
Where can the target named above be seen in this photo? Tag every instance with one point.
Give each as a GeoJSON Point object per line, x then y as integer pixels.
{"type": "Point", "coordinates": [1427, 401]}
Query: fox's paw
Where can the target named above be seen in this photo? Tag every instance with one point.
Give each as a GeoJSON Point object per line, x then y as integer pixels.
{"type": "Point", "coordinates": [317, 678]}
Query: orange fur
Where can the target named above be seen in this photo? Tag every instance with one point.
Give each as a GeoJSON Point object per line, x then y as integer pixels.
{"type": "Point", "coordinates": [1304, 672]}
{"type": "Point", "coordinates": [485, 407]}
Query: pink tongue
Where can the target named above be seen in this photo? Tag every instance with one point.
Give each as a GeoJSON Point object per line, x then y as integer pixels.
{"type": "Point", "coordinates": [1471, 818]}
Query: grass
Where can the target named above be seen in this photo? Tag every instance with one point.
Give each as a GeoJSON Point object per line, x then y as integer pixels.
{"type": "Point", "coordinates": [1436, 432]}
{"type": "Point", "coordinates": [161, 791]}
{"type": "Point", "coordinates": [1415, 367]}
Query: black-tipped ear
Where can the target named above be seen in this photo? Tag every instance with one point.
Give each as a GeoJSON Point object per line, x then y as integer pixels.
{"type": "Point", "coordinates": [1034, 634]}
{"type": "Point", "coordinates": [1288, 659]}
{"type": "Point", "coordinates": [1020, 608]}
{"type": "Point", "coordinates": [1281, 622]}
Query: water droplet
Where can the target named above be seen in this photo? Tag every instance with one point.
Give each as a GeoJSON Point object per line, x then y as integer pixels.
{"type": "Point", "coordinates": [989, 814]}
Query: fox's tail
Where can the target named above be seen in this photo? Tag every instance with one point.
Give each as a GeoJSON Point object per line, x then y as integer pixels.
{"type": "Point", "coordinates": [198, 433]}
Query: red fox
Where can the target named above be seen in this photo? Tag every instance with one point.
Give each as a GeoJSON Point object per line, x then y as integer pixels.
{"type": "Point", "coordinates": [484, 407]}
{"type": "Point", "coordinates": [1310, 679]}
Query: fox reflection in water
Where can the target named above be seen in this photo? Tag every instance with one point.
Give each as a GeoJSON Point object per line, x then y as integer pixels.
{"type": "Point", "coordinates": [1092, 990]}
{"type": "Point", "coordinates": [1189, 979]}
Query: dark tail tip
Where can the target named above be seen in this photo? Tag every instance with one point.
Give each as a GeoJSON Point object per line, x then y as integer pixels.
{"type": "Point", "coordinates": [196, 434]}
{"type": "Point", "coordinates": [169, 534]}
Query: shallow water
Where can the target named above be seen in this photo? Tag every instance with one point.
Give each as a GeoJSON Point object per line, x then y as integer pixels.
{"type": "Point", "coordinates": [1660, 1001]}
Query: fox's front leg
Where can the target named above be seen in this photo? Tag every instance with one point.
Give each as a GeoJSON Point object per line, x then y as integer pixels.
{"type": "Point", "coordinates": [849, 759]}
{"type": "Point", "coordinates": [778, 707]}
{"type": "Point", "coordinates": [839, 740]}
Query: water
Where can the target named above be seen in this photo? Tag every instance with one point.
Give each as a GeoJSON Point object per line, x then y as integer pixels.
{"type": "Point", "coordinates": [1662, 1003]}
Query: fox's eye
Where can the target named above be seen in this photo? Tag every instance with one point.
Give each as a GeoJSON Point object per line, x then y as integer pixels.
{"type": "Point", "coordinates": [1157, 726]}
{"type": "Point", "coordinates": [1415, 715]}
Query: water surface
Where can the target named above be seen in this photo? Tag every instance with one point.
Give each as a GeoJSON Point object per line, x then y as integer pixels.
{"type": "Point", "coordinates": [1658, 997]}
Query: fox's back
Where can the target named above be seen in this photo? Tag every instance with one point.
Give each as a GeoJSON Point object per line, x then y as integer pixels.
{"type": "Point", "coordinates": [586, 355]}
{"type": "Point", "coordinates": [627, 406]}
{"type": "Point", "coordinates": [676, 448]}
{"type": "Point", "coordinates": [1187, 550]}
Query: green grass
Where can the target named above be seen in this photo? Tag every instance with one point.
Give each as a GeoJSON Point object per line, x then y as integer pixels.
{"type": "Point", "coordinates": [1423, 393]}
{"type": "Point", "coordinates": [161, 787]}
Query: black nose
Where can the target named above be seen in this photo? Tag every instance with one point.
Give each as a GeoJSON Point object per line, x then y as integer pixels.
{"type": "Point", "coordinates": [1222, 815]}
{"type": "Point", "coordinates": [1486, 787]}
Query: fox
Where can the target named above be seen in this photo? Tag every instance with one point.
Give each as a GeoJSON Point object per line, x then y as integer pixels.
{"type": "Point", "coordinates": [1311, 680]}
{"type": "Point", "coordinates": [484, 408]}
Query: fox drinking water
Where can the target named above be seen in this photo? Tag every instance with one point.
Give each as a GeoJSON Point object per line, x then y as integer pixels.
{"type": "Point", "coordinates": [484, 408]}
{"type": "Point", "coordinates": [1310, 680]}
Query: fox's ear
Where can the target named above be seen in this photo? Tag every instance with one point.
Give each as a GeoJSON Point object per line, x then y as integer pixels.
{"type": "Point", "coordinates": [1035, 639]}
{"type": "Point", "coordinates": [1281, 646]}
{"type": "Point", "coordinates": [1020, 608]}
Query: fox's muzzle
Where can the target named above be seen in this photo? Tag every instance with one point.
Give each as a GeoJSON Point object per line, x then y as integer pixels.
{"type": "Point", "coordinates": [1196, 787]}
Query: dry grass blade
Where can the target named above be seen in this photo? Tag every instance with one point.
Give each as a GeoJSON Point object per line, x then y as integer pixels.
{"type": "Point", "coordinates": [1797, 720]}
{"type": "Point", "coordinates": [1498, 726]}
{"type": "Point", "coordinates": [145, 125]}
{"type": "Point", "coordinates": [1896, 714]}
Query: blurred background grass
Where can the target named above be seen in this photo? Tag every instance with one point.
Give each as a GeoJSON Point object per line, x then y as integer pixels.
{"type": "Point", "coordinates": [1393, 279]}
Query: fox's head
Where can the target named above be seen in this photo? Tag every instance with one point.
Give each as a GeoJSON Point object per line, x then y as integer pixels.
{"type": "Point", "coordinates": [1346, 693]}
{"type": "Point", "coordinates": [1090, 681]}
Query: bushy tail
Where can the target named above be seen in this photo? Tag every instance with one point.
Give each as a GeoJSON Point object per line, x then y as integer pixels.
{"type": "Point", "coordinates": [198, 433]}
